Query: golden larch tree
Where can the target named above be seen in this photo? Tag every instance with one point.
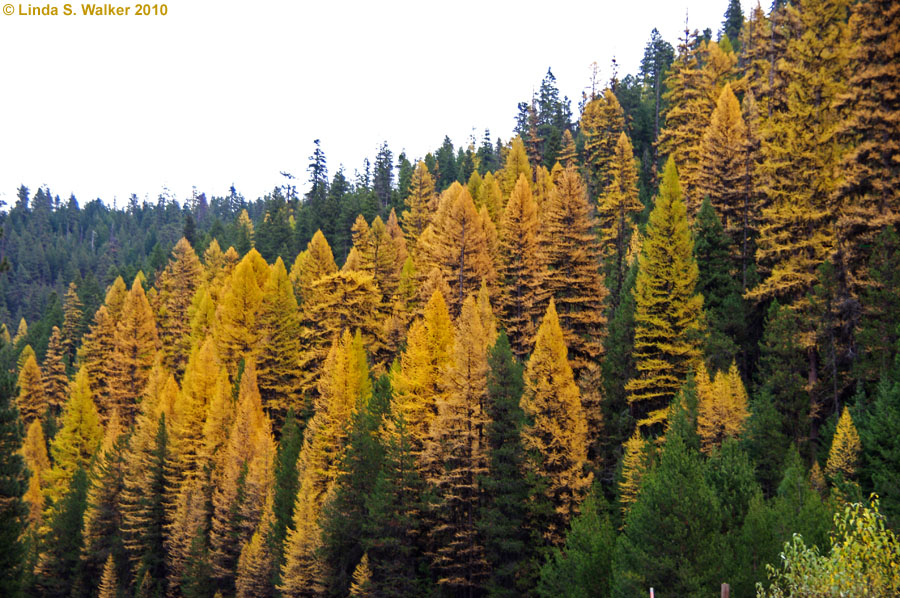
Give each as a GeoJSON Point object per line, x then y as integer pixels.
{"type": "Point", "coordinates": [602, 121]}
{"type": "Point", "coordinates": [34, 451]}
{"type": "Point", "coordinates": [32, 400]}
{"type": "Point", "coordinates": [316, 262]}
{"type": "Point", "coordinates": [73, 316]}
{"type": "Point", "coordinates": [242, 478]}
{"type": "Point", "coordinates": [556, 435]}
{"type": "Point", "coordinates": [177, 285]}
{"type": "Point", "coordinates": [54, 372]}
{"type": "Point", "coordinates": [632, 471]}
{"type": "Point", "coordinates": [722, 410]}
{"type": "Point", "coordinates": [668, 317]}
{"type": "Point", "coordinates": [458, 246]}
{"type": "Point", "coordinates": [522, 270]}
{"type": "Point", "coordinates": [569, 245]}
{"type": "Point", "coordinates": [516, 164]}
{"type": "Point", "coordinates": [421, 203]}
{"type": "Point", "coordinates": [237, 315]}
{"type": "Point", "coordinates": [845, 449]}
{"type": "Point", "coordinates": [617, 207]}
{"type": "Point", "coordinates": [456, 457]}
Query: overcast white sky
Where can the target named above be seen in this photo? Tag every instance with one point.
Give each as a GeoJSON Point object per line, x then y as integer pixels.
{"type": "Point", "coordinates": [219, 92]}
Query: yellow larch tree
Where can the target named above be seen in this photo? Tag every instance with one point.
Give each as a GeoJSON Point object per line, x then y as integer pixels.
{"type": "Point", "coordinates": [341, 301]}
{"type": "Point", "coordinates": [316, 262]}
{"type": "Point", "coordinates": [237, 315]}
{"type": "Point", "coordinates": [458, 246]}
{"type": "Point", "coordinates": [417, 384]}
{"type": "Point", "coordinates": [421, 203]}
{"type": "Point", "coordinates": [490, 196]}
{"type": "Point", "coordinates": [522, 269]}
{"type": "Point", "coordinates": [246, 234]}
{"type": "Point", "coordinates": [361, 580]}
{"type": "Point", "coordinates": [602, 121]}
{"type": "Point", "coordinates": [722, 410]}
{"type": "Point", "coordinates": [555, 435]}
{"type": "Point", "coordinates": [78, 438]}
{"type": "Point", "coordinates": [344, 387]}
{"type": "Point", "coordinates": [72, 323]}
{"type": "Point", "coordinates": [278, 357]}
{"type": "Point", "coordinates": [115, 298]}
{"type": "Point", "coordinates": [456, 457]}
{"type": "Point", "coordinates": [616, 210]}
{"type": "Point", "coordinates": [32, 400]}
{"type": "Point", "coordinates": [257, 563]}
{"type": "Point", "coordinates": [568, 154]}
{"type": "Point", "coordinates": [34, 452]}
{"type": "Point", "coordinates": [845, 449]}
{"type": "Point", "coordinates": [242, 478]}
{"type": "Point", "coordinates": [219, 418]}
{"type": "Point", "coordinates": [135, 346]}
{"type": "Point", "coordinates": [632, 471]}
{"type": "Point", "coordinates": [177, 285]}
{"type": "Point", "coordinates": [569, 245]}
{"type": "Point", "coordinates": [668, 316]}
{"type": "Point", "coordinates": [54, 372]}
{"type": "Point", "coordinates": [109, 582]}
{"type": "Point", "coordinates": [516, 165]}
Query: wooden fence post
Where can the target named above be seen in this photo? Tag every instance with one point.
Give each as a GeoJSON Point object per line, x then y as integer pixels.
{"type": "Point", "coordinates": [726, 590]}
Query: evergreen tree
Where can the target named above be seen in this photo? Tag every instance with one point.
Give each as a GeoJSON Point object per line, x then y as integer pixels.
{"type": "Point", "coordinates": [722, 301]}
{"type": "Point", "coordinates": [668, 310]}
{"type": "Point", "coordinates": [583, 567]}
{"type": "Point", "coordinates": [286, 486]}
{"type": "Point", "coordinates": [734, 21]}
{"type": "Point", "coordinates": [881, 447]}
{"type": "Point", "coordinates": [59, 562]}
{"type": "Point", "coordinates": [13, 484]}
{"type": "Point", "coordinates": [671, 536]}
{"type": "Point", "coordinates": [555, 433]}
{"type": "Point", "coordinates": [504, 518]}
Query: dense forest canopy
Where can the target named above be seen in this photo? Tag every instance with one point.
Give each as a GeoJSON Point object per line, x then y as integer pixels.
{"type": "Point", "coordinates": [651, 340]}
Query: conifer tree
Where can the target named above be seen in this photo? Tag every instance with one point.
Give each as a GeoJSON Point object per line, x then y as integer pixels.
{"type": "Point", "coordinates": [185, 540]}
{"type": "Point", "coordinates": [555, 435]}
{"type": "Point", "coordinates": [54, 373]}
{"type": "Point", "coordinates": [881, 445]}
{"type": "Point", "coordinates": [362, 579]}
{"type": "Point", "coordinates": [573, 279]}
{"type": "Point", "coordinates": [34, 451]}
{"type": "Point", "coordinates": [797, 173]}
{"type": "Point", "coordinates": [241, 480]}
{"type": "Point", "coordinates": [845, 449]}
{"type": "Point", "coordinates": [237, 328]}
{"type": "Point", "coordinates": [504, 517]}
{"type": "Point", "coordinates": [342, 301]}
{"type": "Point", "coordinates": [418, 383]}
{"type": "Point", "coordinates": [57, 566]}
{"type": "Point", "coordinates": [219, 417]}
{"type": "Point", "coordinates": [13, 484]}
{"type": "Point", "coordinates": [677, 512]}
{"type": "Point", "coordinates": [602, 122]}
{"type": "Point", "coordinates": [458, 246]}
{"type": "Point", "coordinates": [103, 517]}
{"type": "Point", "coordinates": [633, 470]}
{"type": "Point", "coordinates": [311, 265]}
{"type": "Point", "coordinates": [516, 164]}
{"type": "Point", "coordinates": [254, 570]}
{"type": "Point", "coordinates": [32, 400]}
{"type": "Point", "coordinates": [136, 343]}
{"type": "Point", "coordinates": [491, 197]}
{"type": "Point", "coordinates": [344, 388]}
{"type": "Point", "coordinates": [73, 318]}
{"type": "Point", "coordinates": [521, 268]}
{"type": "Point", "coordinates": [77, 441]}
{"type": "Point", "coordinates": [723, 303]}
{"type": "Point", "coordinates": [286, 486]}
{"type": "Point", "coordinates": [722, 406]}
{"type": "Point", "coordinates": [568, 154]}
{"type": "Point", "coordinates": [868, 184]}
{"type": "Point", "coordinates": [109, 582]}
{"type": "Point", "coordinates": [617, 207]}
{"type": "Point", "coordinates": [668, 311]}
{"type": "Point", "coordinates": [245, 233]}
{"type": "Point", "coordinates": [457, 453]}
{"type": "Point", "coordinates": [421, 202]}
{"type": "Point", "coordinates": [279, 352]}
{"type": "Point", "coordinates": [177, 285]}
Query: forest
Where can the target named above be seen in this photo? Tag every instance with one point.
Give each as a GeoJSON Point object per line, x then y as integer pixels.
{"type": "Point", "coordinates": [648, 342]}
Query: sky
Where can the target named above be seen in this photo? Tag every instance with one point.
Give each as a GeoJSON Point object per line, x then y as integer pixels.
{"type": "Point", "coordinates": [218, 92]}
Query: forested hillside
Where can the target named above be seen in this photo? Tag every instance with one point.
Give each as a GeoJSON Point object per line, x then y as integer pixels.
{"type": "Point", "coordinates": [650, 340]}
